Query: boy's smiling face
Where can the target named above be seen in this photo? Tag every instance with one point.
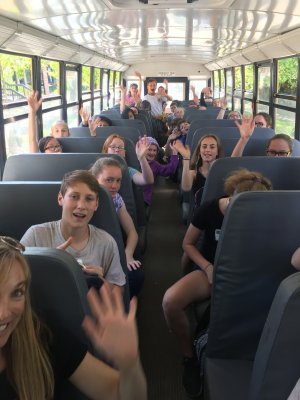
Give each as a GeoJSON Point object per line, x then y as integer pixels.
{"type": "Point", "coordinates": [78, 205]}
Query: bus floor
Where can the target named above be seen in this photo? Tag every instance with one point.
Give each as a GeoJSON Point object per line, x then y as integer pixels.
{"type": "Point", "coordinates": [160, 353]}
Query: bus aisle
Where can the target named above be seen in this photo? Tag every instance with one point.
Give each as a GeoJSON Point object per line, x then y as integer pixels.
{"type": "Point", "coordinates": [160, 353]}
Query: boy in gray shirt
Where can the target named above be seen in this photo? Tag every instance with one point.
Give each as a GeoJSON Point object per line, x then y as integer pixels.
{"type": "Point", "coordinates": [91, 246]}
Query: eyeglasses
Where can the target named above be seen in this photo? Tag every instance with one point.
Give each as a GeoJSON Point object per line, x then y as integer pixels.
{"type": "Point", "coordinates": [259, 124]}
{"type": "Point", "coordinates": [273, 153]}
{"type": "Point", "coordinates": [53, 148]}
{"type": "Point", "coordinates": [12, 243]}
{"type": "Point", "coordinates": [113, 147]}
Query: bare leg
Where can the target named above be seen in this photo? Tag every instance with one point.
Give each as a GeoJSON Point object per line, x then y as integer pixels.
{"type": "Point", "coordinates": [192, 287]}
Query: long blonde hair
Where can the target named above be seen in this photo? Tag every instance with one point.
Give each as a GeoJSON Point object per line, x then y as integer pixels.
{"type": "Point", "coordinates": [28, 367]}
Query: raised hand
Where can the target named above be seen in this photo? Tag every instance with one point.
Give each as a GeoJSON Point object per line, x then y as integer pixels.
{"type": "Point", "coordinates": [111, 330]}
{"type": "Point", "coordinates": [246, 127]}
{"type": "Point", "coordinates": [93, 124]}
{"type": "Point", "coordinates": [123, 88]}
{"type": "Point", "coordinates": [33, 102]}
{"type": "Point", "coordinates": [141, 147]}
{"type": "Point", "coordinates": [85, 115]}
{"type": "Point", "coordinates": [182, 149]}
{"type": "Point", "coordinates": [173, 148]}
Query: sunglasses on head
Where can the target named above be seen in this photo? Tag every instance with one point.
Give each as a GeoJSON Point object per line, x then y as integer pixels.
{"type": "Point", "coordinates": [12, 243]}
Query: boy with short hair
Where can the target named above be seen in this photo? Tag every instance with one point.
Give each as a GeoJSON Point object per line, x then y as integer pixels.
{"type": "Point", "coordinates": [91, 246]}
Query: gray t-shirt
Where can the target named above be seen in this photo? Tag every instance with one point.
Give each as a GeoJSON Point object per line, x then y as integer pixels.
{"type": "Point", "coordinates": [100, 250]}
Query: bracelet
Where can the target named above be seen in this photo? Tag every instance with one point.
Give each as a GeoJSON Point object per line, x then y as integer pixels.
{"type": "Point", "coordinates": [186, 158]}
{"type": "Point", "coordinates": [205, 268]}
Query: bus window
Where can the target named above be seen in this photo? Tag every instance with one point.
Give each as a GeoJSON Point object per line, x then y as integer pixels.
{"type": "Point", "coordinates": [50, 79]}
{"type": "Point", "coordinates": [16, 137]}
{"type": "Point", "coordinates": [264, 83]}
{"type": "Point", "coordinates": [72, 85]}
{"type": "Point", "coordinates": [16, 77]}
{"type": "Point", "coordinates": [284, 121]}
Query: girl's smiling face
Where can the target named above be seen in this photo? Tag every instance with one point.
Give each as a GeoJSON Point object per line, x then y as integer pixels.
{"type": "Point", "coordinates": [152, 152]}
{"type": "Point", "coordinates": [12, 301]}
{"type": "Point", "coordinates": [209, 149]}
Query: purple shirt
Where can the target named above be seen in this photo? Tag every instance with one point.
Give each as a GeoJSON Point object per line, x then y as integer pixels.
{"type": "Point", "coordinates": [162, 170]}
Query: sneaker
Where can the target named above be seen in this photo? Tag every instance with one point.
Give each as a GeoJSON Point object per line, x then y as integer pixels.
{"type": "Point", "coordinates": [191, 380]}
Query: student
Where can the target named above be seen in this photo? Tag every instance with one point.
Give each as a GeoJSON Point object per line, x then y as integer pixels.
{"type": "Point", "coordinates": [196, 168]}
{"type": "Point", "coordinates": [262, 120]}
{"type": "Point", "coordinates": [278, 145]}
{"type": "Point", "coordinates": [157, 168]}
{"type": "Point", "coordinates": [49, 144]}
{"type": "Point", "coordinates": [95, 248]}
{"type": "Point", "coordinates": [58, 128]}
{"type": "Point", "coordinates": [133, 97]}
{"type": "Point", "coordinates": [126, 112]}
{"type": "Point", "coordinates": [171, 116]}
{"type": "Point", "coordinates": [196, 286]}
{"type": "Point", "coordinates": [154, 99]}
{"type": "Point", "coordinates": [108, 172]}
{"type": "Point", "coordinates": [179, 134]}
{"type": "Point", "coordinates": [97, 121]}
{"type": "Point", "coordinates": [163, 91]}
{"type": "Point", "coordinates": [115, 144]}
{"type": "Point", "coordinates": [33, 360]}
{"type": "Point", "coordinates": [233, 115]}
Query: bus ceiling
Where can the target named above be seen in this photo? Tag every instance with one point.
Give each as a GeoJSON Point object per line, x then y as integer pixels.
{"type": "Point", "coordinates": [117, 34]}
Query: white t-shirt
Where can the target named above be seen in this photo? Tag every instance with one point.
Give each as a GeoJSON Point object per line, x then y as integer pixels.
{"type": "Point", "coordinates": [101, 249]}
{"type": "Point", "coordinates": [156, 103]}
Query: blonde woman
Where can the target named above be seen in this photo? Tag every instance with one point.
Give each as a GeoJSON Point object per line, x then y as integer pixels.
{"type": "Point", "coordinates": [31, 366]}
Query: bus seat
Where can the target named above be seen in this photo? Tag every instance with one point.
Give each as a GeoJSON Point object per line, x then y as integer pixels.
{"type": "Point", "coordinates": [105, 131]}
{"type": "Point", "coordinates": [42, 166]}
{"type": "Point", "coordinates": [112, 113]}
{"type": "Point", "coordinates": [131, 123]}
{"type": "Point", "coordinates": [229, 132]}
{"type": "Point", "coordinates": [252, 258]}
{"type": "Point", "coordinates": [58, 295]}
{"type": "Point", "coordinates": [80, 131]}
{"type": "Point", "coordinates": [23, 204]}
{"type": "Point", "coordinates": [277, 169]}
{"type": "Point", "coordinates": [277, 361]}
{"type": "Point", "coordinates": [207, 123]}
{"type": "Point", "coordinates": [95, 144]}
{"type": "Point", "coordinates": [143, 116]}
{"type": "Point", "coordinates": [191, 114]}
{"type": "Point", "coordinates": [52, 167]}
{"type": "Point", "coordinates": [296, 148]}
